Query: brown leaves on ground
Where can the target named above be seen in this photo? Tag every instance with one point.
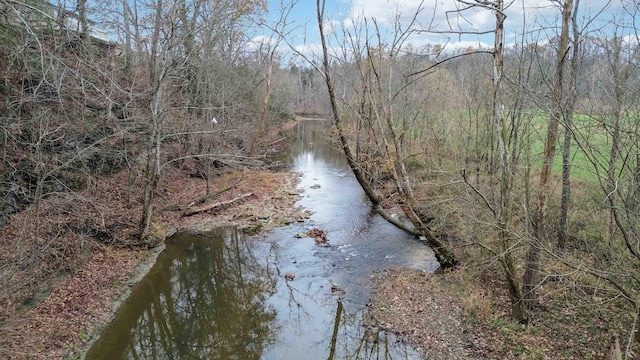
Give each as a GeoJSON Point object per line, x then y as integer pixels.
{"type": "Point", "coordinates": [272, 203]}
{"type": "Point", "coordinates": [406, 303]}
{"type": "Point", "coordinates": [44, 243]}
{"type": "Point", "coordinates": [465, 315]}
{"type": "Point", "coordinates": [87, 249]}
{"type": "Point", "coordinates": [55, 325]}
{"type": "Point", "coordinates": [564, 324]}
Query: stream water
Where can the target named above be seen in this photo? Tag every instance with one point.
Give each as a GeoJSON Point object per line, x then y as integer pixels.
{"type": "Point", "coordinates": [222, 296]}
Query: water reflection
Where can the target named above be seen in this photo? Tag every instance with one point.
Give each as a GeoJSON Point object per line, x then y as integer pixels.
{"type": "Point", "coordinates": [312, 144]}
{"type": "Point", "coordinates": [351, 340]}
{"type": "Point", "coordinates": [219, 296]}
{"type": "Point", "coordinates": [204, 299]}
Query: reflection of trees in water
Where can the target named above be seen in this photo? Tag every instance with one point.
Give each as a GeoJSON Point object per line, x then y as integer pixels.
{"type": "Point", "coordinates": [312, 138]}
{"type": "Point", "coordinates": [206, 298]}
{"type": "Point", "coordinates": [359, 343]}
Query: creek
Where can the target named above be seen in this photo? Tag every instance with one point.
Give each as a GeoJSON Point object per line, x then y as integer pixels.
{"type": "Point", "coordinates": [219, 295]}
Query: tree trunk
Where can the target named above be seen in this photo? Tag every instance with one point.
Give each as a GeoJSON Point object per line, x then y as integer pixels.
{"type": "Point", "coordinates": [444, 256]}
{"type": "Point", "coordinates": [264, 108]}
{"type": "Point", "coordinates": [155, 105]}
{"type": "Point", "coordinates": [532, 272]}
{"type": "Point", "coordinates": [518, 312]}
{"type": "Point", "coordinates": [566, 186]}
{"type": "Point", "coordinates": [151, 183]}
{"type": "Point", "coordinates": [619, 80]}
{"type": "Point", "coordinates": [137, 26]}
{"type": "Point", "coordinates": [518, 308]}
{"type": "Point", "coordinates": [366, 186]}
{"type": "Point", "coordinates": [569, 107]}
{"type": "Point", "coordinates": [84, 23]}
{"type": "Point", "coordinates": [126, 14]}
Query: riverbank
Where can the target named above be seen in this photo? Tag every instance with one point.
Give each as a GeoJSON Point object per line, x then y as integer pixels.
{"type": "Point", "coordinates": [414, 305]}
{"type": "Point", "coordinates": [464, 314]}
{"type": "Point", "coordinates": [64, 322]}
{"type": "Point", "coordinates": [456, 315]}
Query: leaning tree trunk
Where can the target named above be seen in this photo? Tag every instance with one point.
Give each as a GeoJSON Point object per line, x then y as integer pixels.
{"type": "Point", "coordinates": [443, 254]}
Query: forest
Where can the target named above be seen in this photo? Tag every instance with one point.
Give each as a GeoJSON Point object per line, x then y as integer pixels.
{"type": "Point", "coordinates": [518, 162]}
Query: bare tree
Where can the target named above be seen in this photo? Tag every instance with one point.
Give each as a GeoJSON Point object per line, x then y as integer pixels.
{"type": "Point", "coordinates": [268, 53]}
{"type": "Point", "coordinates": [502, 211]}
{"type": "Point", "coordinates": [180, 55]}
{"type": "Point", "coordinates": [531, 277]}
{"type": "Point", "coordinates": [382, 109]}
{"type": "Point", "coordinates": [568, 107]}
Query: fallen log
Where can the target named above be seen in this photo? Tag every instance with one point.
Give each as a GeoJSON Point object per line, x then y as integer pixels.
{"type": "Point", "coordinates": [204, 198]}
{"type": "Point", "coordinates": [216, 194]}
{"type": "Point", "coordinates": [277, 141]}
{"type": "Point", "coordinates": [215, 206]}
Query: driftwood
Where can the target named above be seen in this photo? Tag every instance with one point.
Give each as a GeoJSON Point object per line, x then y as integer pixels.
{"type": "Point", "coordinates": [203, 199]}
{"type": "Point", "coordinates": [277, 141]}
{"type": "Point", "coordinates": [215, 206]}
{"type": "Point", "coordinates": [206, 198]}
{"type": "Point", "coordinates": [319, 235]}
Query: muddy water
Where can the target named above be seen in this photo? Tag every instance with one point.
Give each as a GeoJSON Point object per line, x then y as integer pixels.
{"type": "Point", "coordinates": [221, 296]}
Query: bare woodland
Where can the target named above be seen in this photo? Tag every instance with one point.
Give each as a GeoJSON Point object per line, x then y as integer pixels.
{"type": "Point", "coordinates": [519, 164]}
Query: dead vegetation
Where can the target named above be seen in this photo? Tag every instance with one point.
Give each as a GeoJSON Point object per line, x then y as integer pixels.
{"type": "Point", "coordinates": [454, 316]}
{"type": "Point", "coordinates": [576, 315]}
{"type": "Point", "coordinates": [407, 303]}
{"type": "Point", "coordinates": [53, 312]}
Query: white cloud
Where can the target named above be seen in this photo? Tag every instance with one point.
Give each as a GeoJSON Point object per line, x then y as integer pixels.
{"type": "Point", "coordinates": [528, 21]}
{"type": "Point", "coordinates": [463, 45]}
{"type": "Point", "coordinates": [434, 14]}
{"type": "Point", "coordinates": [309, 51]}
{"type": "Point", "coordinates": [453, 23]}
{"type": "Point", "coordinates": [445, 15]}
{"type": "Point", "coordinates": [261, 41]}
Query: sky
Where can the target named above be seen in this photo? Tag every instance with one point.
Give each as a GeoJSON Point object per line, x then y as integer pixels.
{"type": "Point", "coordinates": [527, 21]}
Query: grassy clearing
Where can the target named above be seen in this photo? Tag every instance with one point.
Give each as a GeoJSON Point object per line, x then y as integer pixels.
{"type": "Point", "coordinates": [590, 148]}
{"type": "Point", "coordinates": [591, 142]}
